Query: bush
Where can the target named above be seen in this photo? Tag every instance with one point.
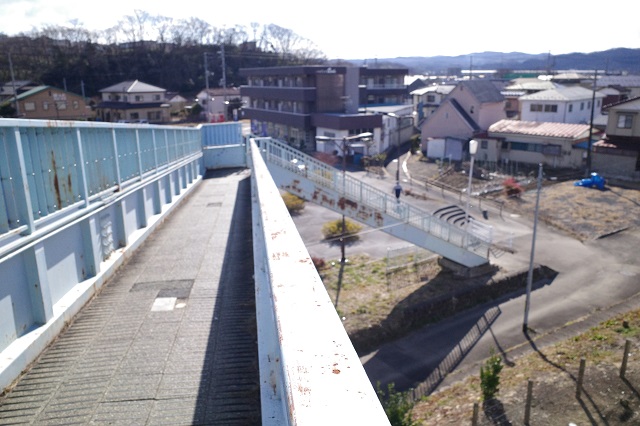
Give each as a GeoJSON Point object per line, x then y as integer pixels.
{"type": "Point", "coordinates": [512, 188]}
{"type": "Point", "coordinates": [333, 229]}
{"type": "Point", "coordinates": [490, 376]}
{"type": "Point", "coordinates": [397, 406]}
{"type": "Point", "coordinates": [318, 262]}
{"type": "Point", "coordinates": [294, 203]}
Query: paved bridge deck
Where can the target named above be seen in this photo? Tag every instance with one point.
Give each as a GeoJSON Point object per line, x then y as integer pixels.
{"type": "Point", "coordinates": [171, 339]}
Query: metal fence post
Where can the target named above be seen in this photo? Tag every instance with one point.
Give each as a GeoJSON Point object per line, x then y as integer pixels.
{"type": "Point", "coordinates": [527, 407]}
{"type": "Point", "coordinates": [474, 419]}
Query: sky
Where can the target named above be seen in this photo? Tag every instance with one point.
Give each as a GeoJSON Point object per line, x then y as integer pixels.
{"type": "Point", "coordinates": [350, 29]}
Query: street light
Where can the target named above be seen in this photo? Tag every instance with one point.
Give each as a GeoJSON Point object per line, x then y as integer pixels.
{"type": "Point", "coordinates": [345, 145]}
{"type": "Point", "coordinates": [473, 148]}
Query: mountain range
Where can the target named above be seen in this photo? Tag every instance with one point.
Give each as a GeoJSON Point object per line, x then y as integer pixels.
{"type": "Point", "coordinates": [619, 60]}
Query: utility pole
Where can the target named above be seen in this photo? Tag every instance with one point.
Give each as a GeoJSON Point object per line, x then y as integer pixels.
{"type": "Point", "coordinates": [593, 106]}
{"type": "Point", "coordinates": [206, 73]}
{"type": "Point", "coordinates": [525, 324]}
{"type": "Point", "coordinates": [224, 81]}
{"type": "Point", "coordinates": [15, 89]}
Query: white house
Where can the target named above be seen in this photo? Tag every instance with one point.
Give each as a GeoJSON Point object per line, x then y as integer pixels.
{"type": "Point", "coordinates": [617, 155]}
{"type": "Point", "coordinates": [215, 103]}
{"type": "Point", "coordinates": [133, 101]}
{"type": "Point", "coordinates": [563, 104]}
{"type": "Point", "coordinates": [427, 99]}
{"type": "Point", "coordinates": [558, 145]}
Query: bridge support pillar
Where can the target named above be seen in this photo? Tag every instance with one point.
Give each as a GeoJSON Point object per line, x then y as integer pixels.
{"type": "Point", "coordinates": [462, 271]}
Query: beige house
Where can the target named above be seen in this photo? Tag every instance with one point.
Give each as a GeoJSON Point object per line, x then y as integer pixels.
{"type": "Point", "coordinates": [617, 155]}
{"type": "Point", "coordinates": [50, 103]}
{"type": "Point", "coordinates": [133, 102]}
{"type": "Point", "coordinates": [469, 109]}
{"type": "Point", "coordinates": [556, 145]}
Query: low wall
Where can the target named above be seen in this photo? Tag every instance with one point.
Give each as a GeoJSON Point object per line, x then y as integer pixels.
{"type": "Point", "coordinates": [309, 371]}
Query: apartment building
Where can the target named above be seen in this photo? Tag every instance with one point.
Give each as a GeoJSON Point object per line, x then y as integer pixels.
{"type": "Point", "coordinates": [296, 103]}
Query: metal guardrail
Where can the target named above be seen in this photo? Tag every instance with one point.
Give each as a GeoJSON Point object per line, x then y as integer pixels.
{"type": "Point", "coordinates": [49, 168]}
{"type": "Point", "coordinates": [309, 371]}
{"type": "Point", "coordinates": [476, 240]}
{"type": "Point", "coordinates": [75, 199]}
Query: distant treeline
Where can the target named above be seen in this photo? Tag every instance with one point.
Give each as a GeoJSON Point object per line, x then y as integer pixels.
{"type": "Point", "coordinates": [172, 54]}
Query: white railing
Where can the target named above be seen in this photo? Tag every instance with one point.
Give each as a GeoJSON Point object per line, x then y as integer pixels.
{"type": "Point", "coordinates": [476, 240]}
{"type": "Point", "coordinates": [309, 371]}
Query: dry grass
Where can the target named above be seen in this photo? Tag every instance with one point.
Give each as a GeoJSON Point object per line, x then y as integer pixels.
{"type": "Point", "coordinates": [607, 398]}
{"type": "Point", "coordinates": [584, 213]}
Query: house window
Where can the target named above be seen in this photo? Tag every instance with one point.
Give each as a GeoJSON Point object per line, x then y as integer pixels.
{"type": "Point", "coordinates": [138, 98]}
{"type": "Point", "coordinates": [536, 108]}
{"type": "Point", "coordinates": [29, 106]}
{"type": "Point", "coordinates": [45, 106]}
{"type": "Point", "coordinates": [134, 116]}
{"type": "Point", "coordinates": [625, 121]}
{"type": "Point", "coordinates": [581, 106]}
{"type": "Point", "coordinates": [484, 144]}
{"type": "Point", "coordinates": [570, 107]}
{"type": "Point", "coordinates": [76, 105]}
{"type": "Point", "coordinates": [61, 106]}
{"type": "Point", "coordinates": [431, 98]}
{"type": "Point", "coordinates": [551, 108]}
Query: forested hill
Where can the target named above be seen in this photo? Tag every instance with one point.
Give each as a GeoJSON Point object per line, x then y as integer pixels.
{"type": "Point", "coordinates": [83, 66]}
{"type": "Point", "coordinates": [71, 58]}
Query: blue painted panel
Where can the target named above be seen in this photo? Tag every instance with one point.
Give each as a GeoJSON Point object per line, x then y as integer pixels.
{"type": "Point", "coordinates": [65, 266]}
{"type": "Point", "coordinates": [15, 302]}
{"type": "Point", "coordinates": [222, 134]}
{"type": "Point", "coordinates": [99, 160]}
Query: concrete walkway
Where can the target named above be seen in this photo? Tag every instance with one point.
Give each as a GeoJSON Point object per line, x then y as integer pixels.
{"type": "Point", "coordinates": [171, 339]}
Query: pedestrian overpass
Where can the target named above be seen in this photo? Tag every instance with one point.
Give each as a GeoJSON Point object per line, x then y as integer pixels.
{"type": "Point", "coordinates": [322, 184]}
{"type": "Point", "coordinates": [77, 199]}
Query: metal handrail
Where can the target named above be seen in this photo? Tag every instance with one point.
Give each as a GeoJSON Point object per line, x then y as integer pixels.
{"type": "Point", "coordinates": [477, 240]}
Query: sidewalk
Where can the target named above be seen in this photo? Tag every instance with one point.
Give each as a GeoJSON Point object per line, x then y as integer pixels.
{"type": "Point", "coordinates": [171, 339]}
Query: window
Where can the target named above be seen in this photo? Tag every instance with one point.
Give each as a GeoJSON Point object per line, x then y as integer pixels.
{"type": "Point", "coordinates": [431, 98]}
{"type": "Point", "coordinates": [76, 105]}
{"type": "Point", "coordinates": [551, 108]}
{"type": "Point", "coordinates": [570, 107]}
{"type": "Point", "coordinates": [484, 144]}
{"type": "Point", "coordinates": [581, 106]}
{"type": "Point", "coordinates": [134, 116]}
{"type": "Point", "coordinates": [29, 106]}
{"type": "Point", "coordinates": [156, 97]}
{"type": "Point", "coordinates": [138, 98]}
{"type": "Point", "coordinates": [625, 121]}
{"type": "Point", "coordinates": [536, 108]}
{"type": "Point", "coordinates": [61, 106]}
{"type": "Point", "coordinates": [45, 106]}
